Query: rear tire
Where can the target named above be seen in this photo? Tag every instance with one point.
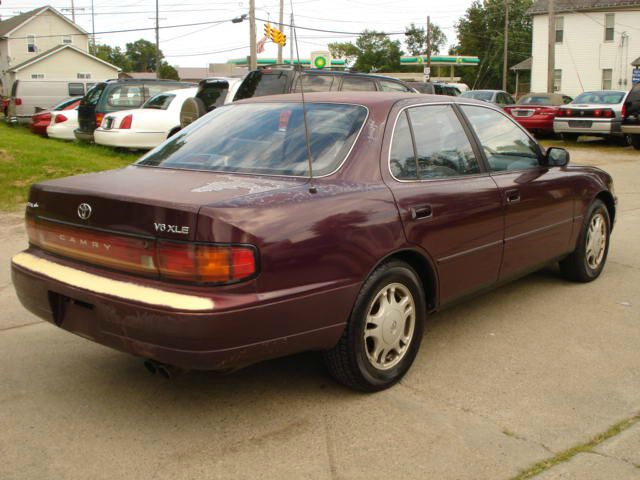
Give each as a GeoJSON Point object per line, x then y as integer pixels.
{"type": "Point", "coordinates": [588, 259]}
{"type": "Point", "coordinates": [635, 141]}
{"type": "Point", "coordinates": [570, 137]}
{"type": "Point", "coordinates": [624, 140]}
{"type": "Point", "coordinates": [384, 331]}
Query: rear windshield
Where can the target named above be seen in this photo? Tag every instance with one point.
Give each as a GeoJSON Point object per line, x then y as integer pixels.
{"type": "Point", "coordinates": [213, 94]}
{"type": "Point", "coordinates": [535, 100]}
{"type": "Point", "coordinates": [600, 98]}
{"type": "Point", "coordinates": [478, 95]}
{"type": "Point", "coordinates": [160, 102]}
{"type": "Point", "coordinates": [263, 138]}
{"type": "Point", "coordinates": [93, 95]}
{"type": "Point", "coordinates": [259, 84]}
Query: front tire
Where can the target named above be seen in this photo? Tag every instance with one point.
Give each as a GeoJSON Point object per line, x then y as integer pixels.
{"type": "Point", "coordinates": [383, 335]}
{"type": "Point", "coordinates": [587, 261]}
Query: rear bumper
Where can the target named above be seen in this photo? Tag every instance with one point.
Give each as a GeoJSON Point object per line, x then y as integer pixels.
{"type": "Point", "coordinates": [60, 132]}
{"type": "Point", "coordinates": [631, 129]}
{"type": "Point", "coordinates": [128, 138]}
{"type": "Point", "coordinates": [192, 330]}
{"type": "Point", "coordinates": [597, 126]}
{"type": "Point", "coordinates": [537, 123]}
{"type": "Point", "coordinates": [83, 135]}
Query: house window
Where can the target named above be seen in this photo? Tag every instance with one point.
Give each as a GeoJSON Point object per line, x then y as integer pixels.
{"type": "Point", "coordinates": [607, 75]}
{"type": "Point", "coordinates": [67, 39]}
{"type": "Point", "coordinates": [559, 29]}
{"type": "Point", "coordinates": [557, 80]}
{"type": "Point", "coordinates": [609, 20]}
{"type": "Point", "coordinates": [37, 76]}
{"type": "Point", "coordinates": [31, 43]}
{"type": "Point", "coordinates": [83, 76]}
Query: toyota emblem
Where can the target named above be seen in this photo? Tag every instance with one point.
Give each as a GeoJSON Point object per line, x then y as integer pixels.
{"type": "Point", "coordinates": [84, 211]}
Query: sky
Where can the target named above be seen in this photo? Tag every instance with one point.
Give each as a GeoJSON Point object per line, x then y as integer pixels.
{"type": "Point", "coordinates": [199, 45]}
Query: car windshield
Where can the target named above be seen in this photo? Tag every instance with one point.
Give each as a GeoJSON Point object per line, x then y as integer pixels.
{"type": "Point", "coordinates": [160, 101]}
{"type": "Point", "coordinates": [600, 98]}
{"type": "Point", "coordinates": [478, 95]}
{"type": "Point", "coordinates": [263, 138]}
{"type": "Point", "coordinates": [535, 100]}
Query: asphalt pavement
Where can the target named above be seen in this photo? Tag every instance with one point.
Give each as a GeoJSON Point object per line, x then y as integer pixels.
{"type": "Point", "coordinates": [502, 382]}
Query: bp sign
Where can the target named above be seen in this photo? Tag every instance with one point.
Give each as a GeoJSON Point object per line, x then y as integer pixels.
{"type": "Point", "coordinates": [320, 59]}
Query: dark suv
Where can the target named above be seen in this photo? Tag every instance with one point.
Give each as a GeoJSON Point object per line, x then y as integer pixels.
{"type": "Point", "coordinates": [113, 95]}
{"type": "Point", "coordinates": [280, 80]}
{"type": "Point", "coordinates": [631, 116]}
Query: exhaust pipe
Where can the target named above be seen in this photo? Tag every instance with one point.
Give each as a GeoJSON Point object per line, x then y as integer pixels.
{"type": "Point", "coordinates": [162, 369]}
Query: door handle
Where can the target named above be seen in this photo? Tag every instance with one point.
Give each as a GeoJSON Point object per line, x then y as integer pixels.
{"type": "Point", "coordinates": [512, 196]}
{"type": "Point", "coordinates": [418, 213]}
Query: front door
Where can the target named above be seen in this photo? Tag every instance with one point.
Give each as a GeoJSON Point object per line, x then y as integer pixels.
{"type": "Point", "coordinates": [448, 204]}
{"type": "Point", "coordinates": [538, 200]}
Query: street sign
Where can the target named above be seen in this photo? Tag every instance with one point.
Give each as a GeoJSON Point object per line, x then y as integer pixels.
{"type": "Point", "coordinates": [635, 76]}
{"type": "Point", "coordinates": [427, 70]}
{"type": "Point", "coordinates": [426, 78]}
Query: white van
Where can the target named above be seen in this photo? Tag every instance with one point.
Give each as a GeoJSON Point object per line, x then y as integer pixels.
{"type": "Point", "coordinates": [32, 96]}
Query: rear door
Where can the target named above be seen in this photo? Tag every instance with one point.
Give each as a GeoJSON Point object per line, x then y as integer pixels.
{"type": "Point", "coordinates": [87, 108]}
{"type": "Point", "coordinates": [448, 204]}
{"type": "Point", "coordinates": [538, 200]}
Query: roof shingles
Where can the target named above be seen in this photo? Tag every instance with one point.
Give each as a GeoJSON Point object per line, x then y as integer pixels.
{"type": "Point", "coordinates": [563, 6]}
{"type": "Point", "coordinates": [7, 25]}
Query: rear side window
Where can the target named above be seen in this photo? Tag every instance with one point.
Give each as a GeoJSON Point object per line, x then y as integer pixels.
{"type": "Point", "coordinates": [126, 96]}
{"type": "Point", "coordinates": [505, 145]}
{"type": "Point", "coordinates": [402, 158]}
{"type": "Point", "coordinates": [355, 84]}
{"type": "Point", "coordinates": [160, 101]}
{"type": "Point", "coordinates": [76, 89]}
{"type": "Point", "coordinates": [442, 146]}
{"type": "Point", "coordinates": [314, 83]}
{"type": "Point", "coordinates": [387, 86]}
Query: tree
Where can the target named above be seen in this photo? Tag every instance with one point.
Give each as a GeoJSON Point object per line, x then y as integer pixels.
{"type": "Point", "coordinates": [481, 33]}
{"type": "Point", "coordinates": [113, 55]}
{"type": "Point", "coordinates": [168, 72]}
{"type": "Point", "coordinates": [372, 52]}
{"type": "Point", "coordinates": [142, 55]}
{"type": "Point", "coordinates": [416, 39]}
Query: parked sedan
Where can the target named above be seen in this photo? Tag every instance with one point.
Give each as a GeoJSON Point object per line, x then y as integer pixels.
{"type": "Point", "coordinates": [631, 116]}
{"type": "Point", "coordinates": [41, 120]}
{"type": "Point", "coordinates": [536, 111]}
{"type": "Point", "coordinates": [146, 127]}
{"type": "Point", "coordinates": [63, 125]}
{"type": "Point", "coordinates": [597, 113]}
{"type": "Point", "coordinates": [497, 97]}
{"type": "Point", "coordinates": [245, 236]}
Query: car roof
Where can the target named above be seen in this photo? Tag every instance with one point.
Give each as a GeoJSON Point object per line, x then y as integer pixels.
{"type": "Point", "coordinates": [322, 71]}
{"type": "Point", "coordinates": [367, 99]}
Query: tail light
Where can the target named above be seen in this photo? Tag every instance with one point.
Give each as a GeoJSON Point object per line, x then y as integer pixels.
{"type": "Point", "coordinates": [43, 117]}
{"type": "Point", "coordinates": [597, 113]}
{"type": "Point", "coordinates": [624, 110]}
{"type": "Point", "coordinates": [560, 113]}
{"type": "Point", "coordinates": [607, 113]}
{"type": "Point", "coordinates": [18, 101]}
{"type": "Point", "coordinates": [126, 122]}
{"type": "Point", "coordinates": [172, 260]}
{"type": "Point", "coordinates": [60, 118]}
{"type": "Point", "coordinates": [99, 117]}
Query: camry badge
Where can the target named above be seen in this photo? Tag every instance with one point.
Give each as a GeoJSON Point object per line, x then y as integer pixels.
{"type": "Point", "coordinates": [84, 211]}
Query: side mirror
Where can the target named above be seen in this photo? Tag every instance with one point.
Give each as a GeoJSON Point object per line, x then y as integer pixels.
{"type": "Point", "coordinates": [557, 157]}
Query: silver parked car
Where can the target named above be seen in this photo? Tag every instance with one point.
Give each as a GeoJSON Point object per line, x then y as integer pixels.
{"type": "Point", "coordinates": [597, 113]}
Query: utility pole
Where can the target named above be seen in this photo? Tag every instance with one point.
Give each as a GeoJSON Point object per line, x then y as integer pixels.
{"type": "Point", "coordinates": [291, 32]}
{"type": "Point", "coordinates": [429, 46]}
{"type": "Point", "coordinates": [506, 45]}
{"type": "Point", "coordinates": [551, 52]}
{"type": "Point", "coordinates": [73, 12]}
{"type": "Point", "coordinates": [253, 55]}
{"type": "Point", "coordinates": [93, 26]}
{"type": "Point", "coordinates": [282, 30]}
{"type": "Point", "coordinates": [157, 40]}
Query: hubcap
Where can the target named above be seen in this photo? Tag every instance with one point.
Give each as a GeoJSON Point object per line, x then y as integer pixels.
{"type": "Point", "coordinates": [596, 241]}
{"type": "Point", "coordinates": [390, 325]}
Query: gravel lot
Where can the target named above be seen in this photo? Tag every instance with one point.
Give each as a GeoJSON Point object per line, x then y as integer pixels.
{"type": "Point", "coordinates": [502, 382]}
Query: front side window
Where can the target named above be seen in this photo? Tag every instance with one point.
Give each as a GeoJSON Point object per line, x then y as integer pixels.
{"type": "Point", "coordinates": [559, 29]}
{"type": "Point", "coordinates": [264, 138]}
{"type": "Point", "coordinates": [442, 146]}
{"type": "Point", "coordinates": [31, 44]}
{"type": "Point", "coordinates": [609, 22]}
{"type": "Point", "coordinates": [354, 84]}
{"type": "Point", "coordinates": [505, 145]}
{"type": "Point", "coordinates": [557, 80]}
{"type": "Point", "coordinates": [387, 86]}
{"type": "Point", "coordinates": [607, 75]}
{"type": "Point", "coordinates": [314, 83]}
{"type": "Point", "coordinates": [402, 157]}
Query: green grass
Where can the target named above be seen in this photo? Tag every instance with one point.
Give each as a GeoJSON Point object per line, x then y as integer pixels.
{"type": "Point", "coordinates": [26, 158]}
{"type": "Point", "coordinates": [586, 447]}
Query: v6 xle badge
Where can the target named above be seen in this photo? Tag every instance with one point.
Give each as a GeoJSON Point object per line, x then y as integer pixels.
{"type": "Point", "coordinates": [163, 227]}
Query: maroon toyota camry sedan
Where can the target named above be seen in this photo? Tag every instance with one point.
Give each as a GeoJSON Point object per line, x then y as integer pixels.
{"type": "Point", "coordinates": [241, 238]}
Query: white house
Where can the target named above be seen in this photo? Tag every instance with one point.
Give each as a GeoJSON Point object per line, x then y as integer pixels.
{"type": "Point", "coordinates": [595, 43]}
{"type": "Point", "coordinates": [43, 44]}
